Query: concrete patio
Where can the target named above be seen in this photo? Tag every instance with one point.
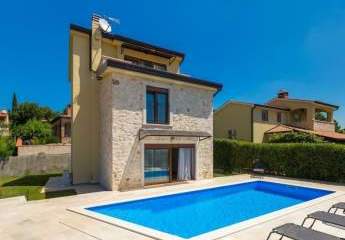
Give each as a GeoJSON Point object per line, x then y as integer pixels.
{"type": "Point", "coordinates": [50, 219]}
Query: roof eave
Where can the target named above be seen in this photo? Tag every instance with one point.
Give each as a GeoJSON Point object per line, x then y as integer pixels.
{"type": "Point", "coordinates": [335, 107]}
{"type": "Point", "coordinates": [154, 49]}
{"type": "Point", "coordinates": [272, 107]}
{"type": "Point", "coordinates": [114, 63]}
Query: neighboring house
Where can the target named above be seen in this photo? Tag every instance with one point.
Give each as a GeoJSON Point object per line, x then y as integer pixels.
{"type": "Point", "coordinates": [255, 122]}
{"type": "Point", "coordinates": [62, 126]}
{"type": "Point", "coordinates": [136, 119]}
{"type": "Point", "coordinates": [4, 123]}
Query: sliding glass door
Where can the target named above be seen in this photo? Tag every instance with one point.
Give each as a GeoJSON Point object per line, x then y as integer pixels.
{"type": "Point", "coordinates": [164, 163]}
{"type": "Point", "coordinates": [156, 167]}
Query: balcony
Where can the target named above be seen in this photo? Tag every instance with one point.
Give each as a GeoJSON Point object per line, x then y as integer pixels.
{"type": "Point", "coordinates": [324, 126]}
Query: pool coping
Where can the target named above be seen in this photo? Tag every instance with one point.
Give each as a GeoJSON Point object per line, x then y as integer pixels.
{"type": "Point", "coordinates": [215, 234]}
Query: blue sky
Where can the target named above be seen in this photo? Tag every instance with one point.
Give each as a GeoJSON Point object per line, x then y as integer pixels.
{"type": "Point", "coordinates": [253, 47]}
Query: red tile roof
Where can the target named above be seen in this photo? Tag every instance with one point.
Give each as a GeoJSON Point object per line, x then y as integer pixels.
{"type": "Point", "coordinates": [333, 135]}
{"type": "Point", "coordinates": [279, 129]}
{"type": "Point", "coordinates": [284, 128]}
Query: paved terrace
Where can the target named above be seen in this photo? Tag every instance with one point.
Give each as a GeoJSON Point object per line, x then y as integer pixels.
{"type": "Point", "coordinates": [49, 219]}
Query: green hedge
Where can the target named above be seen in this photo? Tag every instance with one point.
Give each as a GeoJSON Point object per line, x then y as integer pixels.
{"type": "Point", "coordinates": [324, 161]}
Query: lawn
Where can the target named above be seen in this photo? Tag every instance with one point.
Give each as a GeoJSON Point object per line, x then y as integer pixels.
{"type": "Point", "coordinates": [30, 186]}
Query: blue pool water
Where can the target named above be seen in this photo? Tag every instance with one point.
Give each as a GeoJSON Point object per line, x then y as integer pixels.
{"type": "Point", "coordinates": [193, 213]}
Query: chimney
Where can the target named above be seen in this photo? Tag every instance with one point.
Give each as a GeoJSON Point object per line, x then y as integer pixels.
{"type": "Point", "coordinates": [283, 94]}
{"type": "Point", "coordinates": [96, 43]}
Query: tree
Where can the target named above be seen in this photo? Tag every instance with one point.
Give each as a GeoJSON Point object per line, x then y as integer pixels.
{"type": "Point", "coordinates": [29, 111]}
{"type": "Point", "coordinates": [48, 114]}
{"type": "Point", "coordinates": [14, 102]}
{"type": "Point", "coordinates": [338, 127]}
{"type": "Point", "coordinates": [34, 131]}
{"type": "Point", "coordinates": [7, 147]}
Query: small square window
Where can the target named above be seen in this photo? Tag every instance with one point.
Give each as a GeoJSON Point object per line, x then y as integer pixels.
{"type": "Point", "coordinates": [232, 134]}
{"type": "Point", "coordinates": [160, 67]}
{"type": "Point", "coordinates": [264, 115]}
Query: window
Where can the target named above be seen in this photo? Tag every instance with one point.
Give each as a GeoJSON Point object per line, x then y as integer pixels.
{"type": "Point", "coordinates": [166, 162]}
{"type": "Point", "coordinates": [321, 115]}
{"type": "Point", "coordinates": [279, 117]}
{"type": "Point", "coordinates": [160, 67]}
{"type": "Point", "coordinates": [232, 134]}
{"type": "Point", "coordinates": [157, 105]}
{"type": "Point", "coordinates": [145, 63]}
{"type": "Point", "coordinates": [67, 129]}
{"type": "Point", "coordinates": [264, 115]}
{"type": "Point", "coordinates": [298, 115]}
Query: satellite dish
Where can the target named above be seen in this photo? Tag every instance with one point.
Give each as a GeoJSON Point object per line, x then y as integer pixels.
{"type": "Point", "coordinates": [105, 26]}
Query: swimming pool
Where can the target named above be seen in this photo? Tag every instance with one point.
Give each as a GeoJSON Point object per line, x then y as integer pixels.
{"type": "Point", "coordinates": [190, 214]}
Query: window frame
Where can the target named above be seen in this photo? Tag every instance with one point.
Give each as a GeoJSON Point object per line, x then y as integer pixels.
{"type": "Point", "coordinates": [155, 91]}
{"type": "Point", "coordinates": [264, 115]}
{"type": "Point", "coordinates": [146, 63]}
{"type": "Point", "coordinates": [232, 134]}
{"type": "Point", "coordinates": [279, 117]}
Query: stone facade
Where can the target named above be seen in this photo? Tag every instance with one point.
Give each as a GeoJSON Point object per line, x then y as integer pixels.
{"type": "Point", "coordinates": [105, 147]}
{"type": "Point", "coordinates": [122, 154]}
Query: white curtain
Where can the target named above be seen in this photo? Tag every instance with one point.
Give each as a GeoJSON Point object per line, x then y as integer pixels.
{"type": "Point", "coordinates": [184, 168]}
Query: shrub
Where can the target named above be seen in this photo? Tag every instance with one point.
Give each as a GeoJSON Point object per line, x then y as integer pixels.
{"type": "Point", "coordinates": [35, 131]}
{"type": "Point", "coordinates": [300, 160]}
{"type": "Point", "coordinates": [7, 147]}
{"type": "Point", "coordinates": [294, 137]}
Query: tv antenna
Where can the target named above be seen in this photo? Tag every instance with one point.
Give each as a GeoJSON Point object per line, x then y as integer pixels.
{"type": "Point", "coordinates": [105, 25]}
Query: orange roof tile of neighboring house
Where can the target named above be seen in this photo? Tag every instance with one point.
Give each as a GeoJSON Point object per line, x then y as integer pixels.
{"type": "Point", "coordinates": [333, 135]}
{"type": "Point", "coordinates": [284, 128]}
{"type": "Point", "coordinates": [279, 129]}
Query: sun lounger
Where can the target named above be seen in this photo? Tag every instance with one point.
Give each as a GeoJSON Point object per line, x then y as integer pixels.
{"type": "Point", "coordinates": [337, 206]}
{"type": "Point", "coordinates": [326, 217]}
{"type": "Point", "coordinates": [297, 232]}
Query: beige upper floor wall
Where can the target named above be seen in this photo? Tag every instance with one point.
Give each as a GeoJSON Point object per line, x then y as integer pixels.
{"type": "Point", "coordinates": [112, 48]}
{"type": "Point", "coordinates": [119, 47]}
{"type": "Point", "coordinates": [246, 120]}
{"type": "Point", "coordinates": [307, 114]}
{"type": "Point", "coordinates": [272, 115]}
{"type": "Point", "coordinates": [260, 126]}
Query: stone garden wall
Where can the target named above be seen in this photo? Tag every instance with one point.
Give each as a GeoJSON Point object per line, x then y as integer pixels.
{"type": "Point", "coordinates": [35, 164]}
{"type": "Point", "coordinates": [51, 149]}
